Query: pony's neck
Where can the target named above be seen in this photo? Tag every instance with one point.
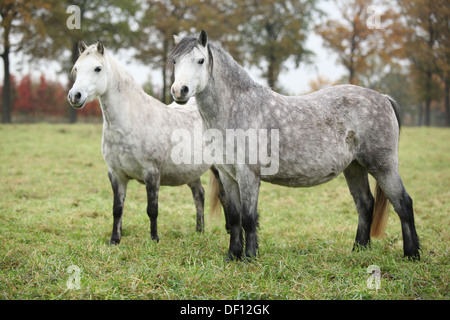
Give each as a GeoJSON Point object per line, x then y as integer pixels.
{"type": "Point", "coordinates": [123, 96]}
{"type": "Point", "coordinates": [227, 82]}
{"type": "Point", "coordinates": [229, 72]}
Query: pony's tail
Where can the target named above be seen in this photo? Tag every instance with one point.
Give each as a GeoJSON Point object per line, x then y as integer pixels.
{"type": "Point", "coordinates": [380, 213]}
{"type": "Point", "coordinates": [381, 206]}
{"type": "Point", "coordinates": [214, 203]}
{"type": "Point", "coordinates": [397, 109]}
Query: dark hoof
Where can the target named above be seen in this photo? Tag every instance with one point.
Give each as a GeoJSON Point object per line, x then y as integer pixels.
{"type": "Point", "coordinates": [232, 256]}
{"type": "Point", "coordinates": [359, 247]}
{"type": "Point", "coordinates": [249, 256]}
{"type": "Point", "coordinates": [412, 257]}
{"type": "Point", "coordinates": [155, 238]}
{"type": "Point", "coordinates": [114, 241]}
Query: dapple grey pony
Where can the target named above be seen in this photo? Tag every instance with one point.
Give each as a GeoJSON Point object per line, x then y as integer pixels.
{"type": "Point", "coordinates": [137, 131]}
{"type": "Point", "coordinates": [345, 128]}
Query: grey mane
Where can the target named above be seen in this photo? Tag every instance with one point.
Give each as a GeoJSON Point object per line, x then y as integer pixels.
{"type": "Point", "coordinates": [187, 44]}
{"type": "Point", "coordinates": [233, 70]}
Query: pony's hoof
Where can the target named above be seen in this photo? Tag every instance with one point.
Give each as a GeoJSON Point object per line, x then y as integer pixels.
{"type": "Point", "coordinates": [249, 256]}
{"type": "Point", "coordinates": [155, 238]}
{"type": "Point", "coordinates": [233, 256]}
{"type": "Point", "coordinates": [359, 247]}
{"type": "Point", "coordinates": [412, 256]}
{"type": "Point", "coordinates": [114, 241]}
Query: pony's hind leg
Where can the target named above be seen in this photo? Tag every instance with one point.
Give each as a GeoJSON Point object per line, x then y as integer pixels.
{"type": "Point", "coordinates": [198, 193]}
{"type": "Point", "coordinates": [119, 187]}
{"type": "Point", "coordinates": [392, 186]}
{"type": "Point", "coordinates": [358, 183]}
{"type": "Point", "coordinates": [152, 182]}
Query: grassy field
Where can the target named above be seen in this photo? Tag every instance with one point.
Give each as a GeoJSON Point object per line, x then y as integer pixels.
{"type": "Point", "coordinates": [55, 212]}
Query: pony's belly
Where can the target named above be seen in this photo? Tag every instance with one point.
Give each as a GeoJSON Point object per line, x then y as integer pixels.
{"type": "Point", "coordinates": [299, 180]}
{"type": "Point", "coordinates": [308, 172]}
{"type": "Point", "coordinates": [176, 175]}
{"type": "Point", "coordinates": [126, 167]}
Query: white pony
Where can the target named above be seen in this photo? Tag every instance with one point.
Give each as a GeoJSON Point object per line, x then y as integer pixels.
{"type": "Point", "coordinates": [137, 132]}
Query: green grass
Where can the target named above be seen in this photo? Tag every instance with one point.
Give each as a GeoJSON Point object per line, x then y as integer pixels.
{"type": "Point", "coordinates": [55, 211]}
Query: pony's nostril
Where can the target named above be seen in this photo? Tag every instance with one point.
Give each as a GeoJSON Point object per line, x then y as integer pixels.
{"type": "Point", "coordinates": [77, 96]}
{"type": "Point", "coordinates": [184, 90]}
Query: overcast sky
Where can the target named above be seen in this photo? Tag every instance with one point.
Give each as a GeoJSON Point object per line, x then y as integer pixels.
{"type": "Point", "coordinates": [294, 81]}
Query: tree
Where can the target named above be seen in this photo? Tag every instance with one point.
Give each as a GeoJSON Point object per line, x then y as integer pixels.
{"type": "Point", "coordinates": [162, 19]}
{"type": "Point", "coordinates": [25, 96]}
{"type": "Point", "coordinates": [273, 32]}
{"type": "Point", "coordinates": [398, 83]}
{"type": "Point", "coordinates": [22, 30]}
{"type": "Point", "coordinates": [427, 48]}
{"type": "Point", "coordinates": [42, 96]}
{"type": "Point", "coordinates": [40, 30]}
{"type": "Point", "coordinates": [366, 38]}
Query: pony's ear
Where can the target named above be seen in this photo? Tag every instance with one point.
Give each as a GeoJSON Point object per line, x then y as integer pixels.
{"type": "Point", "coordinates": [100, 47]}
{"type": "Point", "coordinates": [203, 39]}
{"type": "Point", "coordinates": [176, 39]}
{"type": "Point", "coordinates": [81, 46]}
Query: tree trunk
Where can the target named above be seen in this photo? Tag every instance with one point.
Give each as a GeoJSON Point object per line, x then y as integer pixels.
{"type": "Point", "coordinates": [72, 111]}
{"type": "Point", "coordinates": [447, 101]}
{"type": "Point", "coordinates": [6, 112]}
{"type": "Point", "coordinates": [166, 96]}
{"type": "Point", "coordinates": [164, 86]}
{"type": "Point", "coordinates": [428, 99]}
{"type": "Point", "coordinates": [351, 77]}
{"type": "Point", "coordinates": [427, 112]}
{"type": "Point", "coordinates": [420, 118]}
{"type": "Point", "coordinates": [271, 73]}
{"type": "Point", "coordinates": [271, 77]}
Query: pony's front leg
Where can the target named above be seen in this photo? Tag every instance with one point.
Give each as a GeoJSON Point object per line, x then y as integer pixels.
{"type": "Point", "coordinates": [249, 183]}
{"type": "Point", "coordinates": [233, 216]}
{"type": "Point", "coordinates": [119, 187]}
{"type": "Point", "coordinates": [198, 193]}
{"type": "Point", "coordinates": [236, 236]}
{"type": "Point", "coordinates": [152, 180]}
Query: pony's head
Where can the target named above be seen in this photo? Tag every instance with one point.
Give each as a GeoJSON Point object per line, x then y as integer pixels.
{"type": "Point", "coordinates": [191, 59]}
{"type": "Point", "coordinates": [89, 74]}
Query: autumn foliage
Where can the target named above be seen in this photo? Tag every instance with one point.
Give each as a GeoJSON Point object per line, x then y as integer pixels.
{"type": "Point", "coordinates": [43, 99]}
{"type": "Point", "coordinates": [400, 47]}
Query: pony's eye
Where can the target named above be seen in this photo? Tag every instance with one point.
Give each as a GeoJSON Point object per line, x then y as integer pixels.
{"type": "Point", "coordinates": [201, 61]}
{"type": "Point", "coordinates": [173, 61]}
{"type": "Point", "coordinates": [98, 69]}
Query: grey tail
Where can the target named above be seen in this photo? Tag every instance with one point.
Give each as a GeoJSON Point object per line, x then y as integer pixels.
{"type": "Point", "coordinates": [396, 108]}
{"type": "Point", "coordinates": [381, 206]}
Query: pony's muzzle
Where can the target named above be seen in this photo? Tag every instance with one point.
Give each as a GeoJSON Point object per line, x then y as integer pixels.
{"type": "Point", "coordinates": [179, 93]}
{"type": "Point", "coordinates": [76, 99]}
